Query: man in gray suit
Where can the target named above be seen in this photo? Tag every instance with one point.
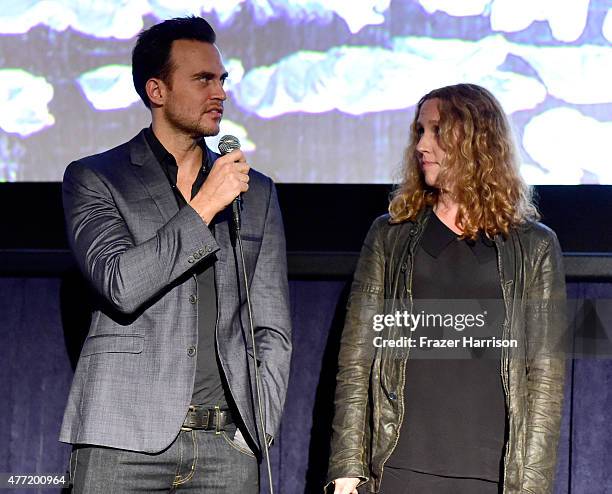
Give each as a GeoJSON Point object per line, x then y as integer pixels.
{"type": "Point", "coordinates": [163, 394]}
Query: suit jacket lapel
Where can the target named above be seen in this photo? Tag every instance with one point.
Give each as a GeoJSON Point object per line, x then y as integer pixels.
{"type": "Point", "coordinates": [152, 176]}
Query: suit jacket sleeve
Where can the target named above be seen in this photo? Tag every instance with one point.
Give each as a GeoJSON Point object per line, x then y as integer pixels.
{"type": "Point", "coordinates": [272, 323]}
{"type": "Point", "coordinates": [127, 275]}
{"type": "Point", "coordinates": [546, 351]}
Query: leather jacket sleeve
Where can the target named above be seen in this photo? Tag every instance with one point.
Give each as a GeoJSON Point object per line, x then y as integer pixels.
{"type": "Point", "coordinates": [348, 457]}
{"type": "Point", "coordinates": [546, 335]}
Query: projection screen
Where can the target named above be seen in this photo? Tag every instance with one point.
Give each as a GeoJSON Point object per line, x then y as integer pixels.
{"type": "Point", "coordinates": [320, 91]}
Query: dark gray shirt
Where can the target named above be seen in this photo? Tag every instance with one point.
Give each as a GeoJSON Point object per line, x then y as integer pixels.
{"type": "Point", "coordinates": [454, 420]}
{"type": "Point", "coordinates": [209, 384]}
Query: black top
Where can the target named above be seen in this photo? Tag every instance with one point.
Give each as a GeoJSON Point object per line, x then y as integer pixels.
{"type": "Point", "coordinates": [208, 386]}
{"type": "Point", "coordinates": [454, 420]}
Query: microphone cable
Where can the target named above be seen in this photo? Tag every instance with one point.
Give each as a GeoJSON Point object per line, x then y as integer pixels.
{"type": "Point", "coordinates": [227, 144]}
{"type": "Point", "coordinates": [266, 449]}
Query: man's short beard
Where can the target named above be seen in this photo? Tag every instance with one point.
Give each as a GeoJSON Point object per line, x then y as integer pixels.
{"type": "Point", "coordinates": [192, 129]}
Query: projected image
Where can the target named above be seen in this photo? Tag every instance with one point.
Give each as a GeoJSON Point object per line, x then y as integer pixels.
{"type": "Point", "coordinates": [319, 90]}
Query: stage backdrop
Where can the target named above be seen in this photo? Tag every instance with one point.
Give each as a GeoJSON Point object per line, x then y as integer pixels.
{"type": "Point", "coordinates": [305, 75]}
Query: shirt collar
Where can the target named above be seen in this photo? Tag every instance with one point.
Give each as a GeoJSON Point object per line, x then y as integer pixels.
{"type": "Point", "coordinates": [437, 237]}
{"type": "Point", "coordinates": [170, 168]}
{"type": "Point", "coordinates": [164, 157]}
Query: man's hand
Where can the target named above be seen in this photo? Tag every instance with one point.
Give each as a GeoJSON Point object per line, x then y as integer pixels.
{"type": "Point", "coordinates": [346, 485]}
{"type": "Point", "coordinates": [228, 177]}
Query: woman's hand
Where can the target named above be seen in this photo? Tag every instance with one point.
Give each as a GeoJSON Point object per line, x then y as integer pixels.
{"type": "Point", "coordinates": [346, 485]}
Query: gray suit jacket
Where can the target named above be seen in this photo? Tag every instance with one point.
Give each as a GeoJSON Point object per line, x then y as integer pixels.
{"type": "Point", "coordinates": [135, 375]}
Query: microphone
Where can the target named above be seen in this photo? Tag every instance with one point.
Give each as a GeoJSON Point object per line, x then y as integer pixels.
{"type": "Point", "coordinates": [227, 144]}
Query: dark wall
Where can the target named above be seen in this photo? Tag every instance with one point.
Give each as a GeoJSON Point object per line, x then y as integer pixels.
{"type": "Point", "coordinates": [42, 326]}
{"type": "Point", "coordinates": [43, 322]}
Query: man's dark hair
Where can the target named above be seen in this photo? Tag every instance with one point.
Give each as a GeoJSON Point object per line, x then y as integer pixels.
{"type": "Point", "coordinates": [151, 55]}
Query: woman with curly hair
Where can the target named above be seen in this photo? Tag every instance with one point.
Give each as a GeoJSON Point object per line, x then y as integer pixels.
{"type": "Point", "coordinates": [461, 227]}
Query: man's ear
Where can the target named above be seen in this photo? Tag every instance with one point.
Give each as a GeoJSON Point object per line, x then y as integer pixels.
{"type": "Point", "coordinates": [156, 91]}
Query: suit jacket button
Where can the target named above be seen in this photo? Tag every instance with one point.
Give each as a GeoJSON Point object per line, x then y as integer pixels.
{"type": "Point", "coordinates": [191, 351]}
{"type": "Point", "coordinates": [193, 298]}
{"type": "Point", "coordinates": [404, 267]}
{"type": "Point", "coordinates": [392, 396]}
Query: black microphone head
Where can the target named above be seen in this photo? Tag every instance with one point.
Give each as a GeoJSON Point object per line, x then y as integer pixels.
{"type": "Point", "coordinates": [228, 143]}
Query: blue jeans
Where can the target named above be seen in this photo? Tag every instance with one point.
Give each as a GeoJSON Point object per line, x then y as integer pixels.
{"type": "Point", "coordinates": [197, 461]}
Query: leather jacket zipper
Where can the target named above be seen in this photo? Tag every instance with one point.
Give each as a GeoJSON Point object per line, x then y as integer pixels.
{"type": "Point", "coordinates": [400, 391]}
{"type": "Point", "coordinates": [504, 363]}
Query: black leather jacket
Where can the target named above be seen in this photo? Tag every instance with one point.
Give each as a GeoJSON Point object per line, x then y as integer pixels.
{"type": "Point", "coordinates": [369, 403]}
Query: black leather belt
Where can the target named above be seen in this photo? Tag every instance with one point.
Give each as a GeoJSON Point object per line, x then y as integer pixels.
{"type": "Point", "coordinates": [208, 419]}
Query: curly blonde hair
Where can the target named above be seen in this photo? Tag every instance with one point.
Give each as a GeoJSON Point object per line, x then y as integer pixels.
{"type": "Point", "coordinates": [480, 162]}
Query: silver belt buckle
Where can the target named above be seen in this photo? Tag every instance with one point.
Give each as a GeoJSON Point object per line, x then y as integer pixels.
{"type": "Point", "coordinates": [217, 418]}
